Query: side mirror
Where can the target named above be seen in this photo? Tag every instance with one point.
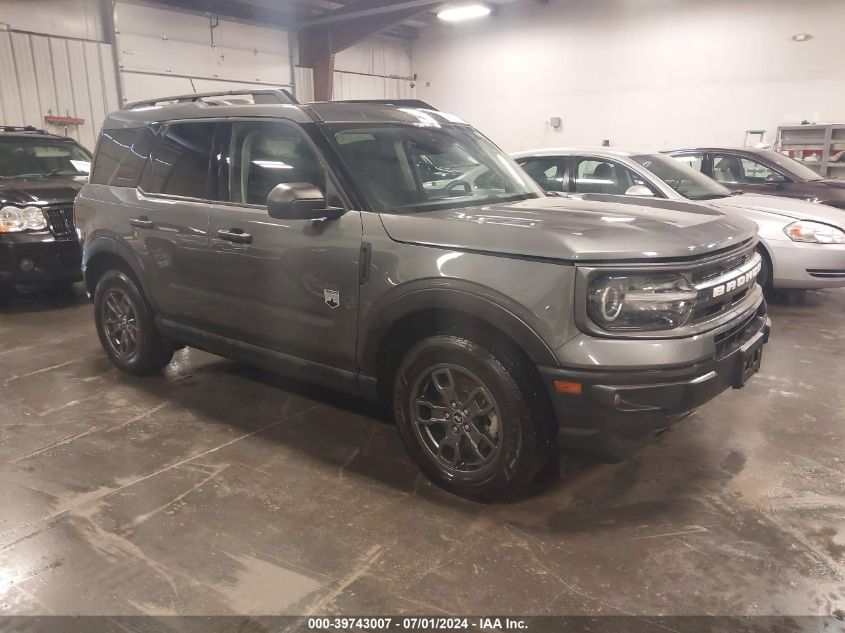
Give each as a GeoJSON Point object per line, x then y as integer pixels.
{"type": "Point", "coordinates": [300, 201]}
{"type": "Point", "coordinates": [639, 190]}
{"type": "Point", "coordinates": [774, 179]}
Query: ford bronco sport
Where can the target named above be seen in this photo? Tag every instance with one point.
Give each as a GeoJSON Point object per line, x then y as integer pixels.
{"type": "Point", "coordinates": [391, 251]}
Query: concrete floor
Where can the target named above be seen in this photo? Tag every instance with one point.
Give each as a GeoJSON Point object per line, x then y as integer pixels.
{"type": "Point", "coordinates": [221, 489]}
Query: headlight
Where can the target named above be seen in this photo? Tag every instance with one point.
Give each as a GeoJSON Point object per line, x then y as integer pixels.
{"type": "Point", "coordinates": [814, 233]}
{"type": "Point", "coordinates": [619, 302]}
{"type": "Point", "coordinates": [14, 220]}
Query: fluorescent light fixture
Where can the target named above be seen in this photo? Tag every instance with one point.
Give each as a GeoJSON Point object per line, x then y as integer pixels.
{"type": "Point", "coordinates": [464, 12]}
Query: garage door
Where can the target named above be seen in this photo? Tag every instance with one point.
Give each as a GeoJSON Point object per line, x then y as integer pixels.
{"type": "Point", "coordinates": [165, 52]}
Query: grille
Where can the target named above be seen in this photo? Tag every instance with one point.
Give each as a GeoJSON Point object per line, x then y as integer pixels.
{"type": "Point", "coordinates": [735, 337]}
{"type": "Point", "coordinates": [60, 220]}
{"type": "Point", "coordinates": [826, 273]}
{"type": "Point", "coordinates": [721, 266]}
{"type": "Point", "coordinates": [709, 306]}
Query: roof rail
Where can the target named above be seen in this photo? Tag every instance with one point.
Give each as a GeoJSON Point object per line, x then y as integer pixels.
{"type": "Point", "coordinates": [22, 128]}
{"type": "Point", "coordinates": [408, 103]}
{"type": "Point", "coordinates": [267, 95]}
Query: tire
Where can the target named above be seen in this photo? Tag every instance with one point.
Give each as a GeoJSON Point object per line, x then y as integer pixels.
{"type": "Point", "coordinates": [7, 293]}
{"type": "Point", "coordinates": [126, 327]}
{"type": "Point", "coordinates": [504, 422]}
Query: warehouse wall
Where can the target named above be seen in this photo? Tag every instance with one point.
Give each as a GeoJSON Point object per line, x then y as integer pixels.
{"type": "Point", "coordinates": [650, 73]}
{"type": "Point", "coordinates": [79, 19]}
{"type": "Point", "coordinates": [377, 68]}
{"type": "Point", "coordinates": [164, 52]}
{"type": "Point", "coordinates": [68, 71]}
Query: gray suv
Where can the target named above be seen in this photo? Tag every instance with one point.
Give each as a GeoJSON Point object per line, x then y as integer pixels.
{"type": "Point", "coordinates": [391, 251]}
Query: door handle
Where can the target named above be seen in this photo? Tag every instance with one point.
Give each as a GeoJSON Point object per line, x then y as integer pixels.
{"type": "Point", "coordinates": [142, 223]}
{"type": "Point", "coordinates": [234, 235]}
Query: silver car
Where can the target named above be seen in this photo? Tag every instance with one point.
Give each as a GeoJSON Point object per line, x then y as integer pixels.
{"type": "Point", "coordinates": [802, 244]}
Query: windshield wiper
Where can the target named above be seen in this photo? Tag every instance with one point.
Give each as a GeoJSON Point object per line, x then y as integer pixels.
{"type": "Point", "coordinates": [62, 171]}
{"type": "Point", "coordinates": [738, 192]}
{"type": "Point", "coordinates": [709, 196]}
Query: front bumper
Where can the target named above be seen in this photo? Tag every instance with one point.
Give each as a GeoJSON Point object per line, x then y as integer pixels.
{"type": "Point", "coordinates": [39, 258]}
{"type": "Point", "coordinates": [618, 412]}
{"type": "Point", "coordinates": [798, 265]}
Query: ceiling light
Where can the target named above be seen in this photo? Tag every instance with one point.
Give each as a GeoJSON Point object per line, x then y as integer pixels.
{"type": "Point", "coordinates": [802, 37]}
{"type": "Point", "coordinates": [464, 12]}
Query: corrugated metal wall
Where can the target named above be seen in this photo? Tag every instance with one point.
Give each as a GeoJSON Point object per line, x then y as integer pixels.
{"type": "Point", "coordinates": [168, 52]}
{"type": "Point", "coordinates": [42, 75]}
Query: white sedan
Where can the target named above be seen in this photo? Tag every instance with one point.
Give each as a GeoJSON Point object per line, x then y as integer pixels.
{"type": "Point", "coordinates": [802, 244]}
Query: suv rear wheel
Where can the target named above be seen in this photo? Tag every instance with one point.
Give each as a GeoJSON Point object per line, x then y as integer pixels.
{"type": "Point", "coordinates": [466, 420]}
{"type": "Point", "coordinates": [126, 327]}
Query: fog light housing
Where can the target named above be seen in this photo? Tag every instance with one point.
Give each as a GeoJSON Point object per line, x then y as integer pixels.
{"type": "Point", "coordinates": [27, 265]}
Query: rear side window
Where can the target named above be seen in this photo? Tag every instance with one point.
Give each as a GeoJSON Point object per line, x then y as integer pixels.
{"type": "Point", "coordinates": [121, 156]}
{"type": "Point", "coordinates": [180, 165]}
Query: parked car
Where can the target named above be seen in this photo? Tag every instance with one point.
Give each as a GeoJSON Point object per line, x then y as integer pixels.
{"type": "Point", "coordinates": [764, 171]}
{"type": "Point", "coordinates": [40, 175]}
{"type": "Point", "coordinates": [802, 244]}
{"type": "Point", "coordinates": [303, 238]}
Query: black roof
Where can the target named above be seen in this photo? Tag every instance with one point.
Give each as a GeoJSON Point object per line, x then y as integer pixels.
{"type": "Point", "coordinates": [29, 131]}
{"type": "Point", "coordinates": [186, 107]}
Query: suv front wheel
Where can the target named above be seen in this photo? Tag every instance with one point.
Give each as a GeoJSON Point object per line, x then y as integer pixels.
{"type": "Point", "coordinates": [126, 327]}
{"type": "Point", "coordinates": [466, 419]}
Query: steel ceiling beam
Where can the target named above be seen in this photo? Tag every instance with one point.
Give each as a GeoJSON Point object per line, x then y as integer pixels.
{"type": "Point", "coordinates": [350, 12]}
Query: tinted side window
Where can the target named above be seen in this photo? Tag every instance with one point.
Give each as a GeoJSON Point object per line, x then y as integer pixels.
{"type": "Point", "coordinates": [268, 153]}
{"type": "Point", "coordinates": [547, 171]}
{"type": "Point", "coordinates": [758, 173]}
{"type": "Point", "coordinates": [734, 169]}
{"type": "Point", "coordinates": [595, 175]}
{"type": "Point", "coordinates": [121, 156]}
{"type": "Point", "coordinates": [180, 165]}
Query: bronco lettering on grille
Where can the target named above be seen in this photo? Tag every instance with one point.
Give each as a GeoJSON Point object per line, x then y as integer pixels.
{"type": "Point", "coordinates": [737, 282]}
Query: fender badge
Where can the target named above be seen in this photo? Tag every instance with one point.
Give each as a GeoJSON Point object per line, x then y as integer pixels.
{"type": "Point", "coordinates": [331, 297]}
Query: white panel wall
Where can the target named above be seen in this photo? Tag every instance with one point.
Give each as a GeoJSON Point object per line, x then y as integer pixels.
{"type": "Point", "coordinates": [80, 19]}
{"type": "Point", "coordinates": [42, 75]}
{"type": "Point", "coordinates": [377, 68]}
{"type": "Point", "coordinates": [168, 52]}
{"type": "Point", "coordinates": [649, 73]}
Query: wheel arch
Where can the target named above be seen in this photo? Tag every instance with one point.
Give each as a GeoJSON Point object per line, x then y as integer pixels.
{"type": "Point", "coordinates": [769, 261]}
{"type": "Point", "coordinates": [104, 254]}
{"type": "Point", "coordinates": [423, 312]}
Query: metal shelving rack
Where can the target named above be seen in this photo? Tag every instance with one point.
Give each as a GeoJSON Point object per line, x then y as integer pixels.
{"type": "Point", "coordinates": [826, 139]}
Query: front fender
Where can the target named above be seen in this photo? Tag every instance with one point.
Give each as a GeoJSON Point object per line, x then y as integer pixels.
{"type": "Point", "coordinates": [453, 295]}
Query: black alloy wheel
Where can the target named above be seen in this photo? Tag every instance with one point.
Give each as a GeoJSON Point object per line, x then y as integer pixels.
{"type": "Point", "coordinates": [456, 418]}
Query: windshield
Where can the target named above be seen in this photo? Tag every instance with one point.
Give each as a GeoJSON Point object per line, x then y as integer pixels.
{"type": "Point", "coordinates": [21, 156]}
{"type": "Point", "coordinates": [409, 168]}
{"type": "Point", "coordinates": [685, 180]}
{"type": "Point", "coordinates": [791, 165]}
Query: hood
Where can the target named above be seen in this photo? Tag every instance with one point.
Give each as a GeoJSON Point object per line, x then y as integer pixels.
{"type": "Point", "coordinates": [786, 207]}
{"type": "Point", "coordinates": [575, 228]}
{"type": "Point", "coordinates": [39, 191]}
{"type": "Point", "coordinates": [837, 183]}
